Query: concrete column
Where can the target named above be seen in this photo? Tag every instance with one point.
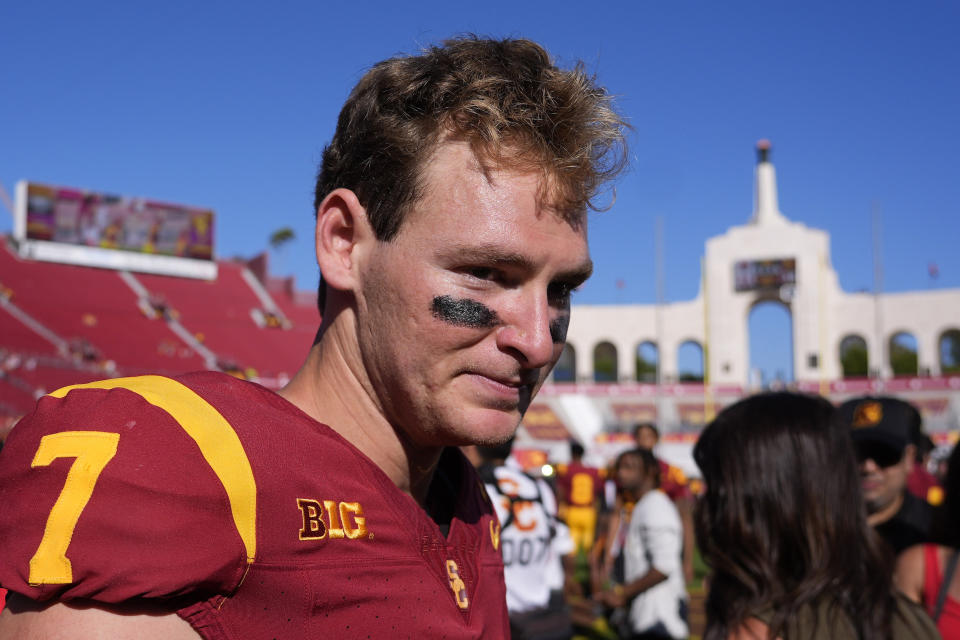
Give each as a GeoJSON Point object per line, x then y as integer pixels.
{"type": "Point", "coordinates": [668, 360]}
{"type": "Point", "coordinates": [928, 352]}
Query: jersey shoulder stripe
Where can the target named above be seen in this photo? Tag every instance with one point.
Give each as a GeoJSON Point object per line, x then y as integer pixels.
{"type": "Point", "coordinates": [215, 437]}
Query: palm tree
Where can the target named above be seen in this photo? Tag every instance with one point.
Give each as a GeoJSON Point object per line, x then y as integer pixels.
{"type": "Point", "coordinates": [281, 237]}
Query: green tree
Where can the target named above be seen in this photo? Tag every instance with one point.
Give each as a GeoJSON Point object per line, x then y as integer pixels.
{"type": "Point", "coordinates": [903, 357]}
{"type": "Point", "coordinates": [853, 357]}
{"type": "Point", "coordinates": [646, 371]}
{"type": "Point", "coordinates": [950, 351]}
{"type": "Point", "coordinates": [281, 237]}
{"type": "Point", "coordinates": [645, 364]}
{"type": "Point", "coordinates": [605, 363]}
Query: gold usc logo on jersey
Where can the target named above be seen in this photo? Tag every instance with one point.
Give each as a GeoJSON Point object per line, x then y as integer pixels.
{"type": "Point", "coordinates": [332, 519]}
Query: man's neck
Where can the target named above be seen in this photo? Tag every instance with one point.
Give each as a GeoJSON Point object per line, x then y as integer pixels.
{"type": "Point", "coordinates": [887, 512]}
{"type": "Point", "coordinates": [645, 487]}
{"type": "Point", "coordinates": [332, 389]}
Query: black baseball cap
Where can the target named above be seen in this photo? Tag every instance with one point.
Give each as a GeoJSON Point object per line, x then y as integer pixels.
{"type": "Point", "coordinates": [881, 420]}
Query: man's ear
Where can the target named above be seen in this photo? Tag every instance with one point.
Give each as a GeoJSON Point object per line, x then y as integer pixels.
{"type": "Point", "coordinates": [341, 227]}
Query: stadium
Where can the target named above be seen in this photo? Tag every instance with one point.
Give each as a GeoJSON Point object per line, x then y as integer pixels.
{"type": "Point", "coordinates": [115, 299]}
{"type": "Point", "coordinates": [624, 364]}
{"type": "Point", "coordinates": [95, 285]}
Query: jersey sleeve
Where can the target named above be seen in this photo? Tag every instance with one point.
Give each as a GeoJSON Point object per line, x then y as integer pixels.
{"type": "Point", "coordinates": [673, 482]}
{"type": "Point", "coordinates": [107, 496]}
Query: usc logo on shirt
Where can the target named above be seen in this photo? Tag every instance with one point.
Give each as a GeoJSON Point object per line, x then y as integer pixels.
{"type": "Point", "coordinates": [457, 585]}
{"type": "Point", "coordinates": [521, 513]}
{"type": "Point", "coordinates": [331, 519]}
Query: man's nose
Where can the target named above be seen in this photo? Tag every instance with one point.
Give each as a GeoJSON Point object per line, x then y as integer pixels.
{"type": "Point", "coordinates": [526, 331]}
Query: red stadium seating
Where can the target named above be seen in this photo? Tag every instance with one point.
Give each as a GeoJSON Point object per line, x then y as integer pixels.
{"type": "Point", "coordinates": [14, 400]}
{"type": "Point", "coordinates": [95, 312]}
{"type": "Point", "coordinates": [98, 319]}
{"type": "Point", "coordinates": [261, 327]}
{"type": "Point", "coordinates": [44, 378]}
{"type": "Point", "coordinates": [220, 315]}
{"type": "Point", "coordinates": [299, 307]}
{"type": "Point", "coordinates": [28, 341]}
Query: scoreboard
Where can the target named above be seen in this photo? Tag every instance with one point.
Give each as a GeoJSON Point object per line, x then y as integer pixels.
{"type": "Point", "coordinates": [764, 275]}
{"type": "Point", "coordinates": [75, 226]}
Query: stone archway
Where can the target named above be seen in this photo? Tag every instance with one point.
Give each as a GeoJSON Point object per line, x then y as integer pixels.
{"type": "Point", "coordinates": [566, 368]}
{"type": "Point", "coordinates": [854, 362]}
{"type": "Point", "coordinates": [605, 363]}
{"type": "Point", "coordinates": [647, 361]}
{"type": "Point", "coordinates": [770, 339]}
{"type": "Point", "coordinates": [949, 348]}
{"type": "Point", "coordinates": [690, 361]}
{"type": "Point", "coordinates": [903, 355]}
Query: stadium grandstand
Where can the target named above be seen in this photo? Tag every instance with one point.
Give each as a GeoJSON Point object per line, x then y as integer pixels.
{"type": "Point", "coordinates": [94, 286]}
{"type": "Point", "coordinates": [63, 324]}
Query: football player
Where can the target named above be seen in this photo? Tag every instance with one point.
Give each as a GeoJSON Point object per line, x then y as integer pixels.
{"type": "Point", "coordinates": [450, 231]}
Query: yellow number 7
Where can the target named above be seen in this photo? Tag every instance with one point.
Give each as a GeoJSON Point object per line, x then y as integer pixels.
{"type": "Point", "coordinates": [92, 450]}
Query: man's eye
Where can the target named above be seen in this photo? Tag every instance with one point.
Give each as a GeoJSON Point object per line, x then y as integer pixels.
{"type": "Point", "coordinates": [482, 273]}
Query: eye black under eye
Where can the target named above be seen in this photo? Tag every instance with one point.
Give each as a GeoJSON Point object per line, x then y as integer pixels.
{"type": "Point", "coordinates": [561, 292]}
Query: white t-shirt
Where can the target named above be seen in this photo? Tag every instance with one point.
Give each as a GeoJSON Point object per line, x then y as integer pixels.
{"type": "Point", "coordinates": [655, 540]}
{"type": "Point", "coordinates": [532, 541]}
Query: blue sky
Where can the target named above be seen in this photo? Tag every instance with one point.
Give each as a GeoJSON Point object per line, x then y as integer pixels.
{"type": "Point", "coordinates": [229, 105]}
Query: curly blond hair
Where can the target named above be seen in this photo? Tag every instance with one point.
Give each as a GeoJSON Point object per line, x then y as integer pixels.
{"type": "Point", "coordinates": [506, 98]}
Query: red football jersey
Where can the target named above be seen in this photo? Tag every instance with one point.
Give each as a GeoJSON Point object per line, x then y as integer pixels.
{"type": "Point", "coordinates": [222, 492]}
{"type": "Point", "coordinates": [579, 485]}
{"type": "Point", "coordinates": [673, 482]}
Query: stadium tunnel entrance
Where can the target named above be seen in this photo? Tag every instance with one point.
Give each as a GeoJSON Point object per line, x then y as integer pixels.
{"type": "Point", "coordinates": [770, 335]}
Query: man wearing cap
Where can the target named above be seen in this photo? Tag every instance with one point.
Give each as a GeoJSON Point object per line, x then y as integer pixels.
{"type": "Point", "coordinates": [884, 430]}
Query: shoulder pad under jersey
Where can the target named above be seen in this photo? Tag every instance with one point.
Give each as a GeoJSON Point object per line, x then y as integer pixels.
{"type": "Point", "coordinates": [126, 488]}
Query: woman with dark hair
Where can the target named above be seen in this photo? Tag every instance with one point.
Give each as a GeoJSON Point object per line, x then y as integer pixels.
{"type": "Point", "coordinates": [783, 528]}
{"type": "Point", "coordinates": [927, 573]}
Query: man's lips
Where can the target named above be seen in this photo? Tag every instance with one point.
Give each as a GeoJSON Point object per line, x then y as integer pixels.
{"type": "Point", "coordinates": [506, 384]}
{"type": "Point", "coordinates": [511, 380]}
{"type": "Point", "coordinates": [510, 386]}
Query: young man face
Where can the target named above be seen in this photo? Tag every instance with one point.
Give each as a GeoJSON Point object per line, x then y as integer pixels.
{"type": "Point", "coordinates": [883, 476]}
{"type": "Point", "coordinates": [630, 472]}
{"type": "Point", "coordinates": [646, 437]}
{"type": "Point", "coordinates": [462, 315]}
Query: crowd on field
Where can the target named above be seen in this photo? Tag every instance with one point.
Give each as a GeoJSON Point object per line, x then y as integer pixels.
{"type": "Point", "coordinates": [808, 521]}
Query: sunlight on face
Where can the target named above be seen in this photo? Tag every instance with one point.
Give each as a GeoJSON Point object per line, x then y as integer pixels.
{"type": "Point", "coordinates": [463, 314]}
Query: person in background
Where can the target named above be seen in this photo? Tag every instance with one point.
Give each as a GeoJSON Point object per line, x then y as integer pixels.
{"type": "Point", "coordinates": [674, 483]}
{"type": "Point", "coordinates": [580, 489]}
{"type": "Point", "coordinates": [535, 545]}
{"type": "Point", "coordinates": [884, 430]}
{"type": "Point", "coordinates": [607, 560]}
{"type": "Point", "coordinates": [783, 528]}
{"type": "Point", "coordinates": [927, 573]}
{"type": "Point", "coordinates": [653, 590]}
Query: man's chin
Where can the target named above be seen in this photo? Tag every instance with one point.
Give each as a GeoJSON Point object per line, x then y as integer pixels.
{"type": "Point", "coordinates": [488, 426]}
